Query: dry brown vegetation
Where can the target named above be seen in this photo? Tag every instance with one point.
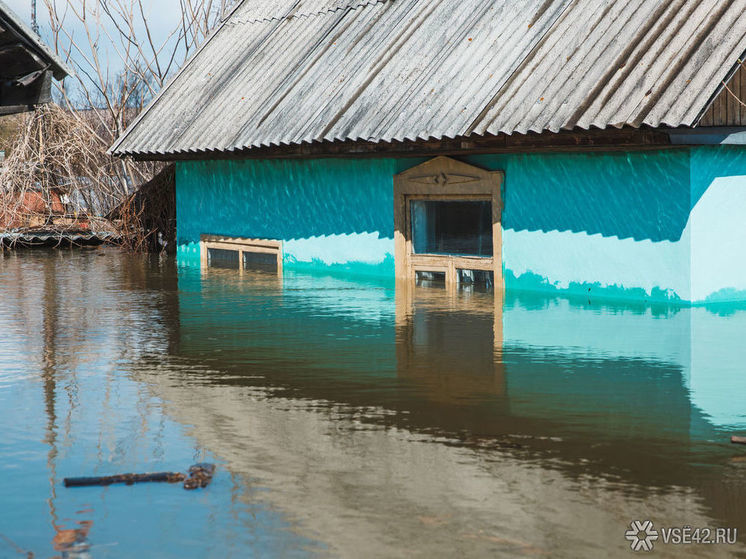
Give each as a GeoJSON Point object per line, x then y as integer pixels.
{"type": "Point", "coordinates": [58, 178]}
{"type": "Point", "coordinates": [57, 175]}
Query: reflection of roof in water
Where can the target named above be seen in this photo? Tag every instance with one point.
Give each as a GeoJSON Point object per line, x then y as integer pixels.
{"type": "Point", "coordinates": [356, 478]}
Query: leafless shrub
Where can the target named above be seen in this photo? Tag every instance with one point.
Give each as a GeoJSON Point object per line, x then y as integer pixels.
{"type": "Point", "coordinates": [147, 218]}
{"type": "Point", "coordinates": [58, 173]}
{"type": "Point", "coordinates": [58, 176]}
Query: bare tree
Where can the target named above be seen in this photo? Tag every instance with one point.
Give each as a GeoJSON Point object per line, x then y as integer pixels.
{"type": "Point", "coordinates": [113, 47]}
{"type": "Point", "coordinates": [121, 62]}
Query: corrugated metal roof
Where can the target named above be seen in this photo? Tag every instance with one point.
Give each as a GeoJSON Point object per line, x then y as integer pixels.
{"type": "Point", "coordinates": [253, 11]}
{"type": "Point", "coordinates": [383, 70]}
{"type": "Point", "coordinates": [9, 18]}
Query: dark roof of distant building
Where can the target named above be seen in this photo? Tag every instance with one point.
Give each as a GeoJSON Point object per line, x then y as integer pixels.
{"type": "Point", "coordinates": [15, 32]}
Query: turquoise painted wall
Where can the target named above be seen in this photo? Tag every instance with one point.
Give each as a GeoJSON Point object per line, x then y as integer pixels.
{"type": "Point", "coordinates": [585, 223]}
{"type": "Point", "coordinates": [331, 213]}
{"type": "Point", "coordinates": [652, 225]}
{"type": "Point", "coordinates": [717, 226]}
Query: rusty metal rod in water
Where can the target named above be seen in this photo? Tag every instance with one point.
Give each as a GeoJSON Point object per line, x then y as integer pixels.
{"type": "Point", "coordinates": [129, 479]}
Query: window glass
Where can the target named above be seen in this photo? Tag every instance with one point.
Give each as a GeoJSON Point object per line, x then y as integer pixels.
{"type": "Point", "coordinates": [476, 279]}
{"type": "Point", "coordinates": [430, 279]}
{"type": "Point", "coordinates": [260, 261]}
{"type": "Point", "coordinates": [220, 258]}
{"type": "Point", "coordinates": [458, 227]}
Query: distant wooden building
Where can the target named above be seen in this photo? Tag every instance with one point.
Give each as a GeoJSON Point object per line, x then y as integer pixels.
{"type": "Point", "coordinates": [582, 146]}
{"type": "Point", "coordinates": [30, 209]}
{"type": "Point", "coordinates": [27, 65]}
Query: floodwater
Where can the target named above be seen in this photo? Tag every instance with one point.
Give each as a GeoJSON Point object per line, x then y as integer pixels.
{"type": "Point", "coordinates": [352, 419]}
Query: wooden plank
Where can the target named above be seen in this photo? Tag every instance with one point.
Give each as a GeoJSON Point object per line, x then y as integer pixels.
{"type": "Point", "coordinates": [706, 119]}
{"type": "Point", "coordinates": [241, 248]}
{"type": "Point", "coordinates": [268, 243]}
{"type": "Point", "coordinates": [128, 479]}
{"type": "Point", "coordinates": [401, 237]}
{"type": "Point", "coordinates": [497, 229]}
{"type": "Point", "coordinates": [731, 110]}
{"type": "Point", "coordinates": [203, 255]}
{"type": "Point", "coordinates": [719, 106]}
{"type": "Point", "coordinates": [438, 263]}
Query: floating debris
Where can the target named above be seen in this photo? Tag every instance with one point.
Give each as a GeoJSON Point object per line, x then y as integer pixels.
{"type": "Point", "coordinates": [200, 475]}
{"type": "Point", "coordinates": [128, 479]}
{"type": "Point", "coordinates": [738, 440]}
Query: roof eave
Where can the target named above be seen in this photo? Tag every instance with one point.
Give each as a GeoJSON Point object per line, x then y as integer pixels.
{"type": "Point", "coordinates": [59, 68]}
{"type": "Point", "coordinates": [594, 139]}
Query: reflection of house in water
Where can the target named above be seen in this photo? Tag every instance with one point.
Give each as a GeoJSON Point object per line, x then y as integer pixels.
{"type": "Point", "coordinates": [621, 384]}
{"type": "Point", "coordinates": [302, 379]}
{"type": "Point", "coordinates": [450, 343]}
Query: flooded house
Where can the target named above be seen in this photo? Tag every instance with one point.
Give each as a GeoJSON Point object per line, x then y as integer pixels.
{"type": "Point", "coordinates": [575, 146]}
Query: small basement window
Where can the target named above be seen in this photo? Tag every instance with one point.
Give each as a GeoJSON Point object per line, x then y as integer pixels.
{"type": "Point", "coordinates": [241, 254]}
{"type": "Point", "coordinates": [222, 258]}
{"type": "Point", "coordinates": [260, 261]}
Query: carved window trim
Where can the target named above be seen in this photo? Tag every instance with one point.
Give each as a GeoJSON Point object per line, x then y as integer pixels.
{"type": "Point", "coordinates": [240, 245]}
{"type": "Point", "coordinates": [443, 178]}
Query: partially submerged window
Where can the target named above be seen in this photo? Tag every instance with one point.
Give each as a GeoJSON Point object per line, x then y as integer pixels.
{"type": "Point", "coordinates": [222, 258]}
{"type": "Point", "coordinates": [241, 254]}
{"type": "Point", "coordinates": [424, 278]}
{"type": "Point", "coordinates": [476, 279]}
{"type": "Point", "coordinates": [447, 225]}
{"type": "Point", "coordinates": [260, 261]}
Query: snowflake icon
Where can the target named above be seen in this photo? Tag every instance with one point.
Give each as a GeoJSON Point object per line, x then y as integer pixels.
{"type": "Point", "coordinates": [642, 534]}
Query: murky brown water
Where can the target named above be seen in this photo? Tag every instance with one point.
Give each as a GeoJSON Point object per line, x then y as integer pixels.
{"type": "Point", "coordinates": [350, 418]}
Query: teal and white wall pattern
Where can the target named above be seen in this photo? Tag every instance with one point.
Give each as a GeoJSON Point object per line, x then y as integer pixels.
{"type": "Point", "coordinates": [716, 230]}
{"type": "Point", "coordinates": [330, 213]}
{"type": "Point", "coordinates": [652, 225]}
{"type": "Point", "coordinates": [598, 224]}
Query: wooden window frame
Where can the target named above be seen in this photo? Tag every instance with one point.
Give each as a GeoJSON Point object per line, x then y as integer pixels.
{"type": "Point", "coordinates": [443, 178]}
{"type": "Point", "coordinates": [240, 245]}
